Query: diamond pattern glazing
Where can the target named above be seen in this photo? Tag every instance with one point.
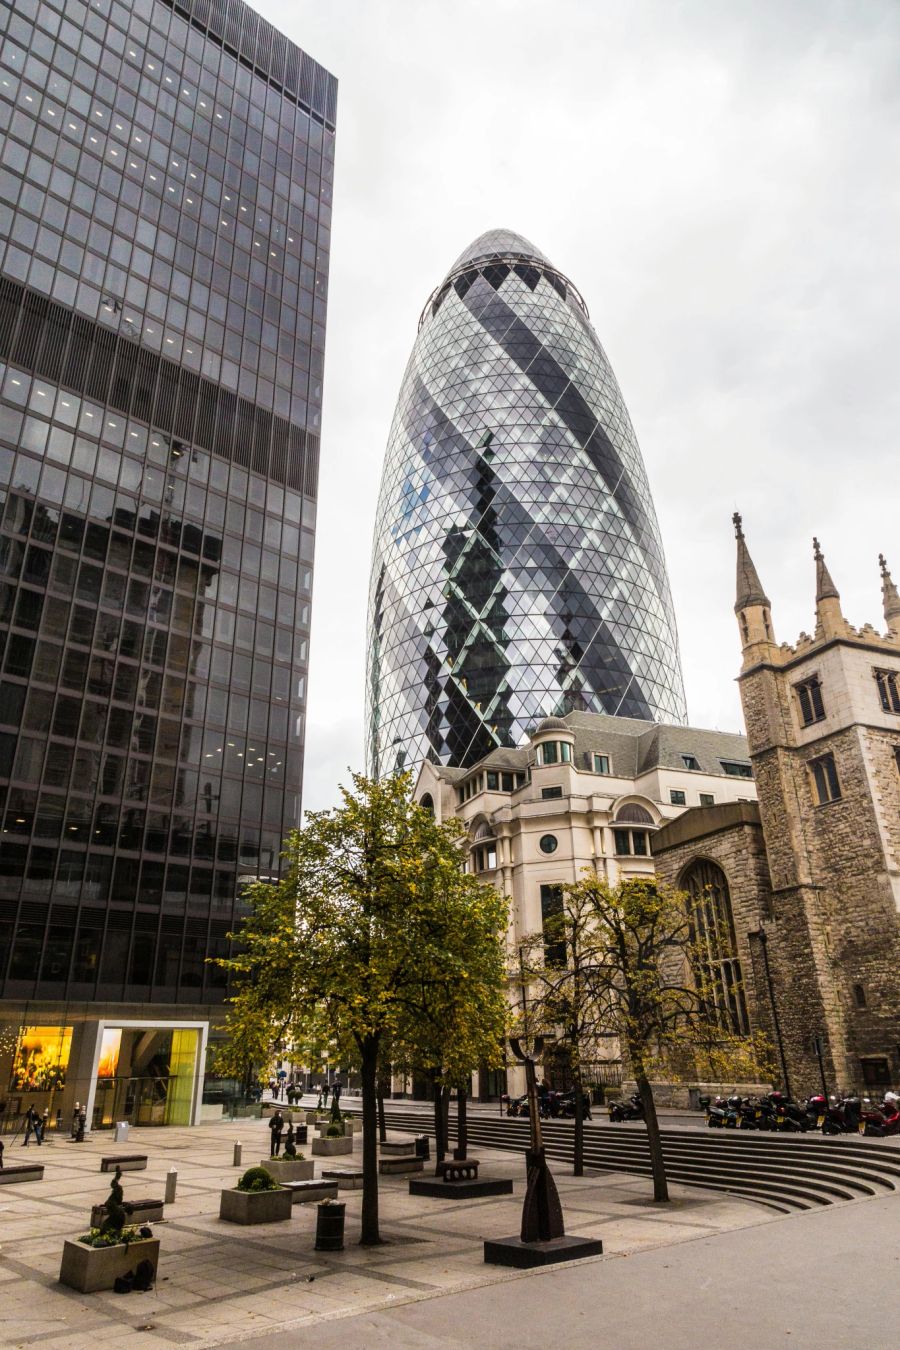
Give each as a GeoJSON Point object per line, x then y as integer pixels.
{"type": "Point", "coordinates": [517, 568]}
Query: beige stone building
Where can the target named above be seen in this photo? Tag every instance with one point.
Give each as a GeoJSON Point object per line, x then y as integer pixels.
{"type": "Point", "coordinates": [803, 889]}
{"type": "Point", "coordinates": [587, 791]}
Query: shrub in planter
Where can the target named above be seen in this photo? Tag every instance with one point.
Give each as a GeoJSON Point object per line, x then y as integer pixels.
{"type": "Point", "coordinates": [334, 1131]}
{"type": "Point", "coordinates": [257, 1179]}
{"type": "Point", "coordinates": [257, 1198]}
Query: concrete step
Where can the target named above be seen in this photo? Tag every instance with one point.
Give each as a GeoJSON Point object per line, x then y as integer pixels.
{"type": "Point", "coordinates": [783, 1171]}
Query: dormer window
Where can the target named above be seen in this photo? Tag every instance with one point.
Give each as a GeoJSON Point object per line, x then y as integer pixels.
{"type": "Point", "coordinates": [554, 752]}
{"type": "Point", "coordinates": [809, 697]}
{"type": "Point", "coordinates": [601, 763]}
{"type": "Point", "coordinates": [888, 689]}
{"type": "Point", "coordinates": [734, 769]}
{"type": "Point", "coordinates": [690, 762]}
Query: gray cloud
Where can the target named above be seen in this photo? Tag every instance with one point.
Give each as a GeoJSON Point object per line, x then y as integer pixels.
{"type": "Point", "coordinates": [720, 182]}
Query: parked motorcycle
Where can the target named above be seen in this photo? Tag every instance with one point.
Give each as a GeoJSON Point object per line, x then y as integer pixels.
{"type": "Point", "coordinates": [632, 1109]}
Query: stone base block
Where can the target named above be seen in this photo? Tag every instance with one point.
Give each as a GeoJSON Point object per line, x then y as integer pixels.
{"type": "Point", "coordinates": [10, 1176]}
{"type": "Point", "coordinates": [436, 1189]}
{"type": "Point", "coordinates": [397, 1148]}
{"type": "Point", "coordinates": [138, 1211]}
{"type": "Point", "coordinates": [303, 1192]}
{"type": "Point", "coordinates": [347, 1178]}
{"type": "Point", "coordinates": [512, 1251]}
{"type": "Point", "coordinates": [88, 1269]}
{"type": "Point", "coordinates": [391, 1166]}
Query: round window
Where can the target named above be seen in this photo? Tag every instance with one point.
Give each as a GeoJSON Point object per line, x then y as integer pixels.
{"type": "Point", "coordinates": [548, 843]}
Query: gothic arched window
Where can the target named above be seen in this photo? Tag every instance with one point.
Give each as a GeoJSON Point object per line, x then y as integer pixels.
{"type": "Point", "coordinates": [715, 948]}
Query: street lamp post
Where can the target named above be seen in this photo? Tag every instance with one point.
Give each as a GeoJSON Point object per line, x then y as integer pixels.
{"type": "Point", "coordinates": [763, 938]}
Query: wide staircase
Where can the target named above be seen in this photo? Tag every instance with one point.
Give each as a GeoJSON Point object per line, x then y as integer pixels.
{"type": "Point", "coordinates": [787, 1172]}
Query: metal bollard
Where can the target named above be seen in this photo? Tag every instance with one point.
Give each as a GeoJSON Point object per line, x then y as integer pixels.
{"type": "Point", "coordinates": [236, 1160]}
{"type": "Point", "coordinates": [171, 1183]}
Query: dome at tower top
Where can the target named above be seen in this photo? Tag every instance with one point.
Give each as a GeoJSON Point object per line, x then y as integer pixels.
{"type": "Point", "coordinates": [493, 242]}
{"type": "Point", "coordinates": [551, 724]}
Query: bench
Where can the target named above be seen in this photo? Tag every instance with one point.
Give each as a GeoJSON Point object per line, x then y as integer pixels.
{"type": "Point", "coordinates": [302, 1192]}
{"type": "Point", "coordinates": [347, 1178]}
{"type": "Point", "coordinates": [396, 1148]}
{"type": "Point", "coordinates": [10, 1176]}
{"type": "Point", "coordinates": [391, 1166]}
{"type": "Point", "coordinates": [141, 1211]}
{"type": "Point", "coordinates": [129, 1162]}
{"type": "Point", "coordinates": [458, 1169]}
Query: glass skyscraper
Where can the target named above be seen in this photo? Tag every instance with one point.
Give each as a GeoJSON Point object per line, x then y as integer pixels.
{"type": "Point", "coordinates": [517, 569]}
{"type": "Point", "coordinates": [165, 199]}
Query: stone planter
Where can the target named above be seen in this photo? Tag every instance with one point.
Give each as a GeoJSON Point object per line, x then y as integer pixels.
{"type": "Point", "coordinates": [88, 1269]}
{"type": "Point", "coordinates": [350, 1127]}
{"type": "Point", "coordinates": [289, 1169]}
{"type": "Point", "coordinates": [311, 1117]}
{"type": "Point", "coordinates": [330, 1148]}
{"type": "Point", "coordinates": [255, 1206]}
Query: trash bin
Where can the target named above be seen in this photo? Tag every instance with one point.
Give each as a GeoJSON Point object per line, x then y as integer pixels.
{"type": "Point", "coordinates": [422, 1148]}
{"type": "Point", "coordinates": [330, 1226]}
{"type": "Point", "coordinates": [302, 1133]}
{"type": "Point", "coordinates": [121, 1131]}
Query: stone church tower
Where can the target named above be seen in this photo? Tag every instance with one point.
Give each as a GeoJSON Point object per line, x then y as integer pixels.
{"type": "Point", "coordinates": [823, 726]}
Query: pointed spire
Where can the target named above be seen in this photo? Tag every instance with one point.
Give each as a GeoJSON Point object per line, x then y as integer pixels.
{"type": "Point", "coordinates": [749, 586]}
{"type": "Point", "coordinates": [830, 621]}
{"type": "Point", "coordinates": [825, 587]}
{"type": "Point", "coordinates": [889, 595]}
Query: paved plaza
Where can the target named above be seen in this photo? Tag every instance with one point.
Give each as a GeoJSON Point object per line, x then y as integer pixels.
{"type": "Point", "coordinates": [220, 1283]}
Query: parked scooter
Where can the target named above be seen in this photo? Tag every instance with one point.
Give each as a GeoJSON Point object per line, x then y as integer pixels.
{"type": "Point", "coordinates": [632, 1109]}
{"type": "Point", "coordinates": [878, 1121]}
{"type": "Point", "coordinates": [843, 1117]}
{"type": "Point", "coordinates": [566, 1105]}
{"type": "Point", "coordinates": [516, 1106]}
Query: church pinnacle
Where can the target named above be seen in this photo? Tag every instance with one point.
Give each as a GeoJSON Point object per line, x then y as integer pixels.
{"type": "Point", "coordinates": [749, 586]}
{"type": "Point", "coordinates": [829, 619]}
{"type": "Point", "coordinates": [889, 595]}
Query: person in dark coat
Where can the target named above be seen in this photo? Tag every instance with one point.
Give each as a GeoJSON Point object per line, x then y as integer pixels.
{"type": "Point", "coordinates": [276, 1126]}
{"type": "Point", "coordinates": [32, 1126]}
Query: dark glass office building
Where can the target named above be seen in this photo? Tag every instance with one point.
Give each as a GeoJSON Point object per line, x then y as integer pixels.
{"type": "Point", "coordinates": [165, 202]}
{"type": "Point", "coordinates": [517, 567]}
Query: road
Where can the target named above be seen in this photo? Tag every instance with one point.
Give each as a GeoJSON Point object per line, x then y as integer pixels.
{"type": "Point", "coordinates": [826, 1277]}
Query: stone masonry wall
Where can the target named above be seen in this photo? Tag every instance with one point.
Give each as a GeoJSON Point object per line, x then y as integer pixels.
{"type": "Point", "coordinates": [834, 881]}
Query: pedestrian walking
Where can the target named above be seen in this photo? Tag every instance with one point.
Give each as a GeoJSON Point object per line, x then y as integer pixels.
{"type": "Point", "coordinates": [276, 1126]}
{"type": "Point", "coordinates": [32, 1126]}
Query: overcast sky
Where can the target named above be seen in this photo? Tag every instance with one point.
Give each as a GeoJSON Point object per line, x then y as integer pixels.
{"type": "Point", "coordinates": [720, 180]}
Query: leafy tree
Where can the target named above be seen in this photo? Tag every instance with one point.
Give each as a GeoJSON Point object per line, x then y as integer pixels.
{"type": "Point", "coordinates": [568, 995]}
{"type": "Point", "coordinates": [373, 927]}
{"type": "Point", "coordinates": [620, 960]}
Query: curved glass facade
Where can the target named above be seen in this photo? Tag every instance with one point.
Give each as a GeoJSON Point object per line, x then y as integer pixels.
{"type": "Point", "coordinates": [517, 568]}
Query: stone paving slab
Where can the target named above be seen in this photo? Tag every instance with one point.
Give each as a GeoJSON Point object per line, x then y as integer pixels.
{"type": "Point", "coordinates": [218, 1283]}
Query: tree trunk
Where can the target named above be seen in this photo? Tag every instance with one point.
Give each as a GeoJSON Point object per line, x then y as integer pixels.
{"type": "Point", "coordinates": [382, 1123]}
{"type": "Point", "coordinates": [578, 1155]}
{"type": "Point", "coordinates": [657, 1162]}
{"type": "Point", "coordinates": [462, 1137]}
{"type": "Point", "coordinates": [370, 1235]}
{"type": "Point", "coordinates": [440, 1137]}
